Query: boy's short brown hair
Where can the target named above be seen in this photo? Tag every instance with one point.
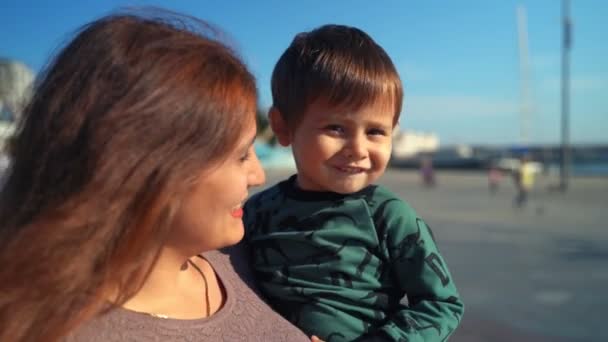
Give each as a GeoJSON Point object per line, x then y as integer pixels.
{"type": "Point", "coordinates": [340, 64]}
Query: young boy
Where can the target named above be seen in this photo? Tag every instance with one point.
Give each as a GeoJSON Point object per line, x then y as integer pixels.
{"type": "Point", "coordinates": [333, 253]}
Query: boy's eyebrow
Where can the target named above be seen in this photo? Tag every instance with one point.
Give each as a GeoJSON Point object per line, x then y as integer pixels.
{"type": "Point", "coordinates": [382, 125]}
{"type": "Point", "coordinates": [372, 121]}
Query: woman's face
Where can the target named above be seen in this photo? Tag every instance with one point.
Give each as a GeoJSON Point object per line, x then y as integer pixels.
{"type": "Point", "coordinates": [211, 214]}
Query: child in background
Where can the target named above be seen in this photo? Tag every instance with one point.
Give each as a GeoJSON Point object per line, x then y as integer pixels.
{"type": "Point", "coordinates": [494, 178]}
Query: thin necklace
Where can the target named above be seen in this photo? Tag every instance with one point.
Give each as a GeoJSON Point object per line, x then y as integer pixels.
{"type": "Point", "coordinates": [208, 304]}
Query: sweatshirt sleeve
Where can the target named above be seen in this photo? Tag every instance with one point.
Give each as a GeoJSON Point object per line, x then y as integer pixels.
{"type": "Point", "coordinates": [434, 307]}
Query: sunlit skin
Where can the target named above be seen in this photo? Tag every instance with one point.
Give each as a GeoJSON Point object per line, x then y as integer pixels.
{"type": "Point", "coordinates": [338, 150]}
{"type": "Point", "coordinates": [210, 218]}
{"type": "Point", "coordinates": [211, 215]}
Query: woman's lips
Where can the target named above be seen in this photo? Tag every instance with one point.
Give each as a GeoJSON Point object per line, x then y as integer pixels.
{"type": "Point", "coordinates": [237, 213]}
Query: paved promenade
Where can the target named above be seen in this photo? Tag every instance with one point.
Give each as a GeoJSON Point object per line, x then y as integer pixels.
{"type": "Point", "coordinates": [535, 274]}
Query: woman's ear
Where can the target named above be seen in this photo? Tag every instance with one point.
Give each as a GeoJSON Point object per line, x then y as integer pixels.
{"type": "Point", "coordinates": [279, 126]}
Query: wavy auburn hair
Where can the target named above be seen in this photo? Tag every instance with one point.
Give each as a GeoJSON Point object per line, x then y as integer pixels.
{"type": "Point", "coordinates": [121, 123]}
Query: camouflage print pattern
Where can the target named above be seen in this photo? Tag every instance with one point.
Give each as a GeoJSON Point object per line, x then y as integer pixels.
{"type": "Point", "coordinates": [338, 266]}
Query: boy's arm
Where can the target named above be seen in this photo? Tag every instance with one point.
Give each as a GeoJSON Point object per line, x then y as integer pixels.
{"type": "Point", "coordinates": [435, 308]}
{"type": "Point", "coordinates": [248, 218]}
{"type": "Point", "coordinates": [251, 211]}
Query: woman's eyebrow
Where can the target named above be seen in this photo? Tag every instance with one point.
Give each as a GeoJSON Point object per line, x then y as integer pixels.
{"type": "Point", "coordinates": [246, 146]}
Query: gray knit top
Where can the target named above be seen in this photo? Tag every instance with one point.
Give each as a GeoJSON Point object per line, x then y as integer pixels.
{"type": "Point", "coordinates": [244, 316]}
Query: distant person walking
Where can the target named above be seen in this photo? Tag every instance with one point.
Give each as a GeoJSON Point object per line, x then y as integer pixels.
{"type": "Point", "coordinates": [494, 178]}
{"type": "Point", "coordinates": [524, 181]}
{"type": "Point", "coordinates": [427, 172]}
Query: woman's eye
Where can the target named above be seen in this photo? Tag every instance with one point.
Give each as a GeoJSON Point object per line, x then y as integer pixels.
{"type": "Point", "coordinates": [245, 157]}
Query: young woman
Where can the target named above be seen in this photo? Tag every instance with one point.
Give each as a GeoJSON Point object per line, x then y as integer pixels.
{"type": "Point", "coordinates": [127, 174]}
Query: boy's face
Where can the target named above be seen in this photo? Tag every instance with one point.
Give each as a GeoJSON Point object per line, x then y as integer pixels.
{"type": "Point", "coordinates": [342, 150]}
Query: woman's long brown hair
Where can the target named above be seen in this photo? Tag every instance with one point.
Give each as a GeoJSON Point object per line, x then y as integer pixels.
{"type": "Point", "coordinates": [122, 120]}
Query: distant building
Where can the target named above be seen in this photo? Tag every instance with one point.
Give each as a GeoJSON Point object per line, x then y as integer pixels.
{"type": "Point", "coordinates": [16, 81]}
{"type": "Point", "coordinates": [6, 130]}
{"type": "Point", "coordinates": [407, 144]}
{"type": "Point", "coordinates": [15, 88]}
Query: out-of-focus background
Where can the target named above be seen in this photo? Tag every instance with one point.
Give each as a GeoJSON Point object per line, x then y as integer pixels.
{"type": "Point", "coordinates": [488, 84]}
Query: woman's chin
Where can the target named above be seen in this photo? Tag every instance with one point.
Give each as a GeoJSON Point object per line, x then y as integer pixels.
{"type": "Point", "coordinates": [235, 235]}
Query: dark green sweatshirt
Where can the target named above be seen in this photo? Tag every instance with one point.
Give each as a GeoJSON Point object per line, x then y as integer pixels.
{"type": "Point", "coordinates": [338, 266]}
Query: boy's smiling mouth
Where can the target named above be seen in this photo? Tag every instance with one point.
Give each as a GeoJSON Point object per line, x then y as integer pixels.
{"type": "Point", "coordinates": [350, 169]}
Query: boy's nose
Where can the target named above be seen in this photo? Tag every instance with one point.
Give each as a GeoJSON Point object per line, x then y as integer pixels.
{"type": "Point", "coordinates": [356, 148]}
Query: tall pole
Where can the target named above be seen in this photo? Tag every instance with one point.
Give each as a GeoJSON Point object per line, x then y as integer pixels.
{"type": "Point", "coordinates": [566, 44]}
{"type": "Point", "coordinates": [524, 72]}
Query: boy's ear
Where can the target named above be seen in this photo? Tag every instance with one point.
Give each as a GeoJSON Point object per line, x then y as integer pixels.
{"type": "Point", "coordinates": [279, 126]}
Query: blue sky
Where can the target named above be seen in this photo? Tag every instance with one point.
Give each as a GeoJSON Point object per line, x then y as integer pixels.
{"type": "Point", "coordinates": [459, 60]}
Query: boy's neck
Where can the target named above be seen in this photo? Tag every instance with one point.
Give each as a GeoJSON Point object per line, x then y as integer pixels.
{"type": "Point", "coordinates": [294, 190]}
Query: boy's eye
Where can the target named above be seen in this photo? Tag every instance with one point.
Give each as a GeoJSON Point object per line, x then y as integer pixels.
{"type": "Point", "coordinates": [376, 131]}
{"type": "Point", "coordinates": [334, 128]}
